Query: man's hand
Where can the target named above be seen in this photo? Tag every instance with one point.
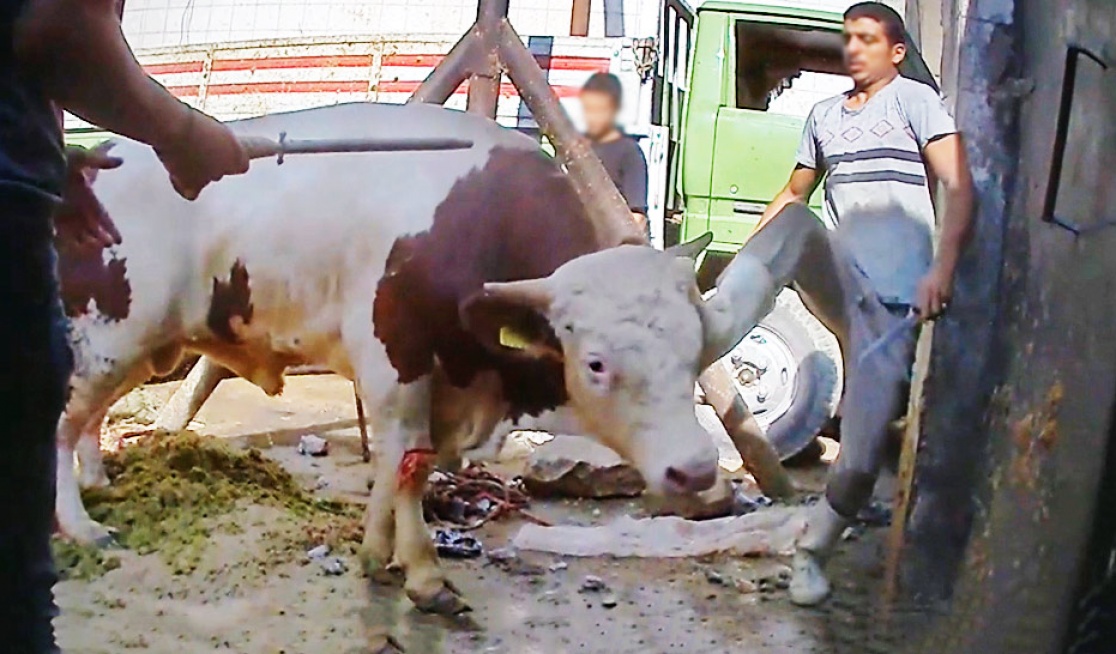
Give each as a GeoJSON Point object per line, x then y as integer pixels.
{"type": "Point", "coordinates": [81, 219]}
{"type": "Point", "coordinates": [935, 291]}
{"type": "Point", "coordinates": [203, 152]}
{"type": "Point", "coordinates": [640, 220]}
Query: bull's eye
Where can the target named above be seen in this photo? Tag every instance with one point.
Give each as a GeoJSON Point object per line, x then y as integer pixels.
{"type": "Point", "coordinates": [597, 366]}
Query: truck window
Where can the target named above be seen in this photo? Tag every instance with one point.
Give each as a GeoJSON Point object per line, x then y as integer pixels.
{"type": "Point", "coordinates": [787, 70]}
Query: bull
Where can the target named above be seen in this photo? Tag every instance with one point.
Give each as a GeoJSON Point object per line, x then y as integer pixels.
{"type": "Point", "coordinates": [455, 289]}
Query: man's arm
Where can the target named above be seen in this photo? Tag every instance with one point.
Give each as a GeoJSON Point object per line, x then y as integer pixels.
{"type": "Point", "coordinates": [633, 185]}
{"type": "Point", "coordinates": [802, 183]}
{"type": "Point", "coordinates": [77, 52]}
{"type": "Point", "coordinates": [946, 161]}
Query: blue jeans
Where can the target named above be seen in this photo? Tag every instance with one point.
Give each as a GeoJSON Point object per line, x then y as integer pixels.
{"type": "Point", "coordinates": [35, 364]}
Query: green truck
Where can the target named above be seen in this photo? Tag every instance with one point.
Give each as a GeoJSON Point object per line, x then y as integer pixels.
{"type": "Point", "coordinates": [755, 69]}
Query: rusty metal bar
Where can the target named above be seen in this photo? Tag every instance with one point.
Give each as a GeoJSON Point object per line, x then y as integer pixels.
{"type": "Point", "coordinates": [588, 174]}
{"type": "Point", "coordinates": [484, 83]}
{"type": "Point", "coordinates": [451, 73]}
{"type": "Point", "coordinates": [759, 456]}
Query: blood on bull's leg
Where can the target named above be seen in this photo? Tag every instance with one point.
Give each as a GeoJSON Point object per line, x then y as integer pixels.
{"type": "Point", "coordinates": [426, 583]}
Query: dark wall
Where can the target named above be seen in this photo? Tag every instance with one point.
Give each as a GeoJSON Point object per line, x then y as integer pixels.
{"type": "Point", "coordinates": [1032, 436]}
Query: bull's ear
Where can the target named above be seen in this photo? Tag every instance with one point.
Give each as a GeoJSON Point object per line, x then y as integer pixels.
{"type": "Point", "coordinates": [691, 249]}
{"type": "Point", "coordinates": [510, 319]}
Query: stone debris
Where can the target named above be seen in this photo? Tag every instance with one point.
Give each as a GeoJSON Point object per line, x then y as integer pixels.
{"type": "Point", "coordinates": [311, 445]}
{"type": "Point", "coordinates": [593, 584]}
{"type": "Point", "coordinates": [559, 566]}
{"type": "Point", "coordinates": [573, 466]}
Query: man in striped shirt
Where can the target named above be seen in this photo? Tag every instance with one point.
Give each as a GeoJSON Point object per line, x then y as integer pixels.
{"type": "Point", "coordinates": [882, 147]}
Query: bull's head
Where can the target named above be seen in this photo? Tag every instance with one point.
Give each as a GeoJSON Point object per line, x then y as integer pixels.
{"type": "Point", "coordinates": [633, 334]}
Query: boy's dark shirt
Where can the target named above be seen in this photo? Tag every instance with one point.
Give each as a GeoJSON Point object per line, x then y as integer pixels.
{"type": "Point", "coordinates": [623, 159]}
{"type": "Point", "coordinates": [32, 155]}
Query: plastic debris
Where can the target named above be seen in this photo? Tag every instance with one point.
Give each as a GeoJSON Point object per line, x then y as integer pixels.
{"type": "Point", "coordinates": [559, 566]}
{"type": "Point", "coordinates": [319, 552]}
{"type": "Point", "coordinates": [453, 544]}
{"type": "Point", "coordinates": [311, 445]}
{"type": "Point", "coordinates": [771, 531]}
{"type": "Point", "coordinates": [502, 554]}
{"type": "Point", "coordinates": [334, 566]}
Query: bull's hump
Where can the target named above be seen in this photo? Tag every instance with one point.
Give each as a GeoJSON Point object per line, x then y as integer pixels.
{"type": "Point", "coordinates": [516, 217]}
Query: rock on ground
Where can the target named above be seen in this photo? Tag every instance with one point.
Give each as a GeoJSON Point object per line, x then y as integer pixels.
{"type": "Point", "coordinates": [573, 466]}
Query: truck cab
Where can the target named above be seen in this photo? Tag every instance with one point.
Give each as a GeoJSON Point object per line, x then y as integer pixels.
{"type": "Point", "coordinates": [756, 70]}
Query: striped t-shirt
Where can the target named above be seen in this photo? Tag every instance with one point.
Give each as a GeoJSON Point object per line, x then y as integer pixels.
{"type": "Point", "coordinates": [876, 190]}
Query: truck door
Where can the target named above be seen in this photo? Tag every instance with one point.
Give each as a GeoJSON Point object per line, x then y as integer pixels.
{"type": "Point", "coordinates": [670, 84]}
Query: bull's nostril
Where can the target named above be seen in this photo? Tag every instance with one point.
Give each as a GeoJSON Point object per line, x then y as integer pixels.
{"type": "Point", "coordinates": [677, 477]}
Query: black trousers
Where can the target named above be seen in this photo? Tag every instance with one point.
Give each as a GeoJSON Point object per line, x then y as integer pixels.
{"type": "Point", "coordinates": [35, 364]}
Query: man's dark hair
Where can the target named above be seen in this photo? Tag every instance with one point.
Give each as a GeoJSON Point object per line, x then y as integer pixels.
{"type": "Point", "coordinates": [882, 14]}
{"type": "Point", "coordinates": [606, 83]}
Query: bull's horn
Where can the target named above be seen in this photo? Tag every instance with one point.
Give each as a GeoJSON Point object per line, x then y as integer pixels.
{"type": "Point", "coordinates": [533, 293]}
{"type": "Point", "coordinates": [691, 249]}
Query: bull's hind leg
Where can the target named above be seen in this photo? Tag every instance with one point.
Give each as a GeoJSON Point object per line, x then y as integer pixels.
{"type": "Point", "coordinates": [91, 464]}
{"type": "Point", "coordinates": [89, 400]}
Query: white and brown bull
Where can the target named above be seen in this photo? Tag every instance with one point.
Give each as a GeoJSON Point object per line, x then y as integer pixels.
{"type": "Point", "coordinates": [406, 273]}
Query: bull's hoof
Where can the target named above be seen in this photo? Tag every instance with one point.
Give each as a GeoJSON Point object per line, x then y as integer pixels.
{"type": "Point", "coordinates": [385, 645]}
{"type": "Point", "coordinates": [446, 601]}
{"type": "Point", "coordinates": [89, 532]}
{"type": "Point", "coordinates": [108, 542]}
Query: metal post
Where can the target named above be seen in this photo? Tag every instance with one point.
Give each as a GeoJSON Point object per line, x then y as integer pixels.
{"type": "Point", "coordinates": [760, 458]}
{"type": "Point", "coordinates": [190, 395]}
{"type": "Point", "coordinates": [440, 84]}
{"type": "Point", "coordinates": [484, 82]}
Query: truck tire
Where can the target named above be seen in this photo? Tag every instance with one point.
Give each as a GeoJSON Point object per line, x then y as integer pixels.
{"type": "Point", "coordinates": [788, 370]}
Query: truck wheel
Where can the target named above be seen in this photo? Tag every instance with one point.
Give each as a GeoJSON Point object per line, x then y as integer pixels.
{"type": "Point", "coordinates": [788, 371]}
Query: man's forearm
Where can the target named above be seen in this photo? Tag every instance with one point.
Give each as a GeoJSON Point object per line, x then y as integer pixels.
{"type": "Point", "coordinates": [778, 204]}
{"type": "Point", "coordinates": [957, 223]}
{"type": "Point", "coordinates": [77, 50]}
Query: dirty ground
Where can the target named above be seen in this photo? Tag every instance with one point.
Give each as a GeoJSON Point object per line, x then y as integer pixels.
{"type": "Point", "coordinates": [240, 596]}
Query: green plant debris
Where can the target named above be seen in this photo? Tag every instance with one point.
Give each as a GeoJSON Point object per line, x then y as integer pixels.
{"type": "Point", "coordinates": [77, 561]}
{"type": "Point", "coordinates": [169, 493]}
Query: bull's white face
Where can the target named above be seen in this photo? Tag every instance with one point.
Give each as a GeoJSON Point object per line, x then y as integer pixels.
{"type": "Point", "coordinates": [631, 338]}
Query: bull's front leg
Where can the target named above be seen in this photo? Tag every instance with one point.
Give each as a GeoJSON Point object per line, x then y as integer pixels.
{"type": "Point", "coordinates": [394, 525]}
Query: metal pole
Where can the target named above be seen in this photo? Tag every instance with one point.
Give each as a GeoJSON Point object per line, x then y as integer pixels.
{"type": "Point", "coordinates": [190, 395]}
{"type": "Point", "coordinates": [484, 83]}
{"type": "Point", "coordinates": [759, 456]}
{"type": "Point", "coordinates": [441, 83]}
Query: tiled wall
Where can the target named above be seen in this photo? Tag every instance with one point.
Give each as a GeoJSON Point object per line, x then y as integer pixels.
{"type": "Point", "coordinates": [168, 23]}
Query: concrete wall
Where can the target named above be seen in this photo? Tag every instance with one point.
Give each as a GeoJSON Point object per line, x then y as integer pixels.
{"type": "Point", "coordinates": [1022, 382]}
